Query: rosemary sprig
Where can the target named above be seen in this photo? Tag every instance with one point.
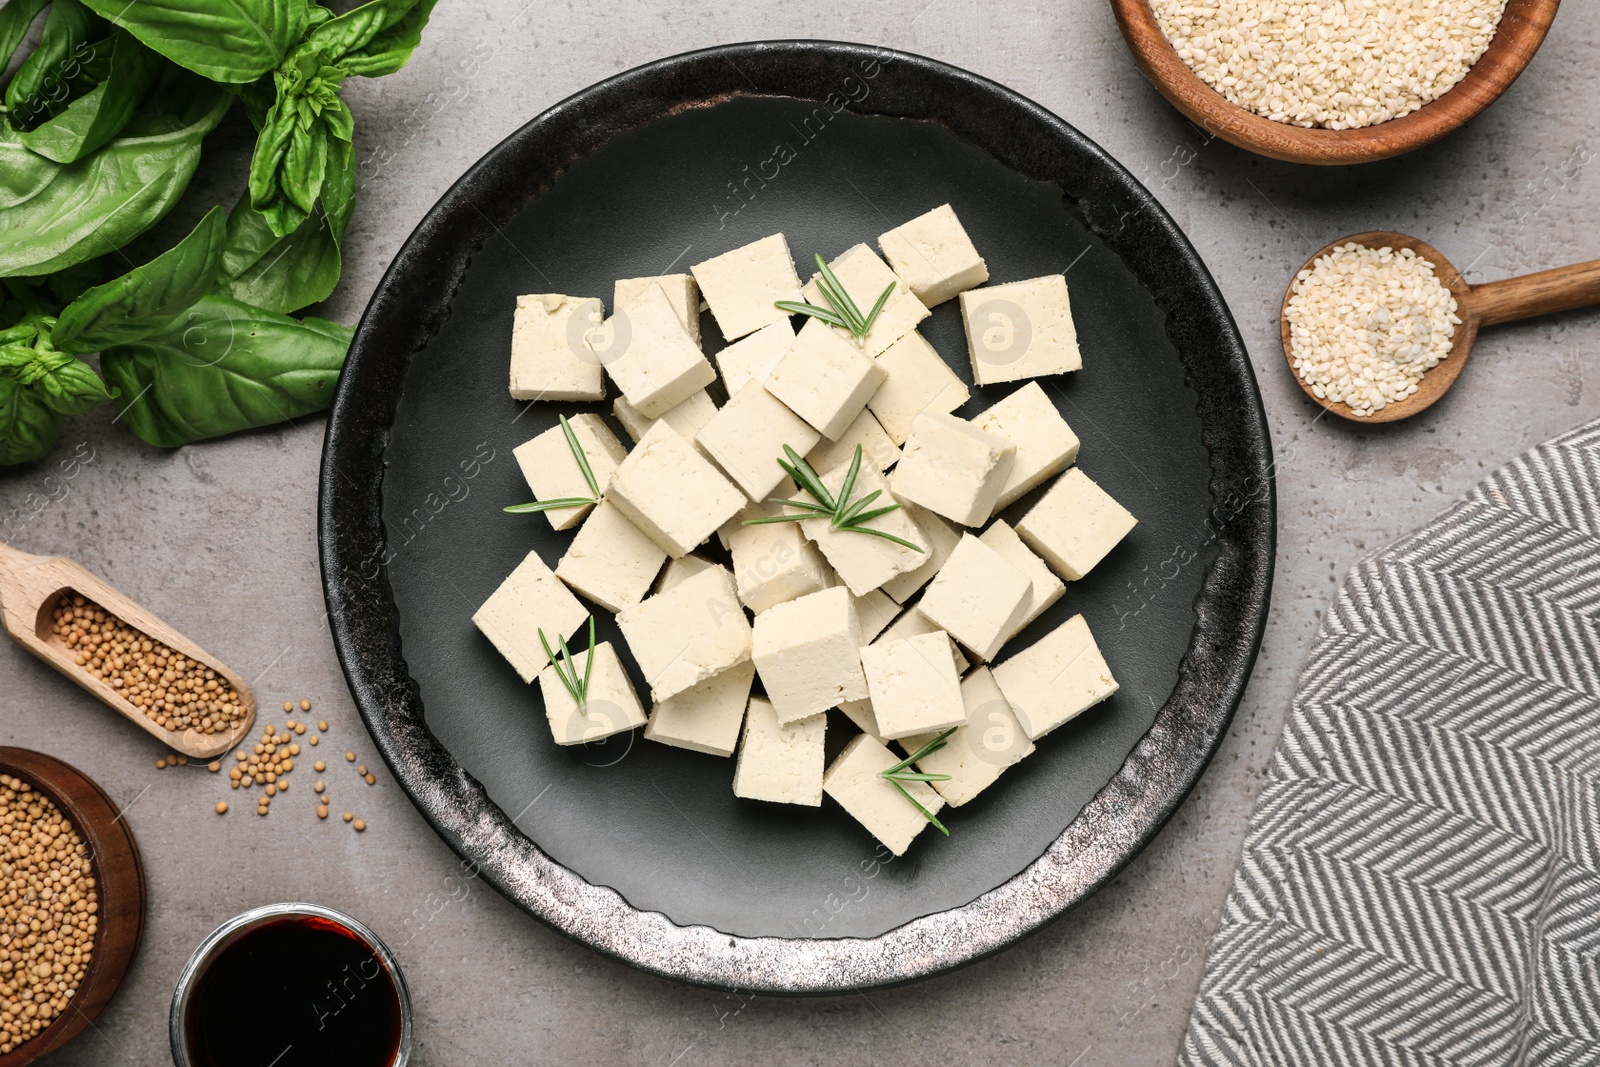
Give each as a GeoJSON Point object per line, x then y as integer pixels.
{"type": "Point", "coordinates": [898, 774]}
{"type": "Point", "coordinates": [567, 501]}
{"type": "Point", "coordinates": [578, 687]}
{"type": "Point", "coordinates": [841, 512]}
{"type": "Point", "coordinates": [841, 310]}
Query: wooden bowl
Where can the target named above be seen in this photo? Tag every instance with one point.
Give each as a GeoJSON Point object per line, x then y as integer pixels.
{"type": "Point", "coordinates": [119, 879]}
{"type": "Point", "coordinates": [1521, 31]}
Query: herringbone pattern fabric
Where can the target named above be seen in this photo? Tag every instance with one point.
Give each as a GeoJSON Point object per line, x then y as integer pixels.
{"type": "Point", "coordinates": [1420, 886]}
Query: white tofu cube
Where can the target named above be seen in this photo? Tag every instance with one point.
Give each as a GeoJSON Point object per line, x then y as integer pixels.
{"type": "Point", "coordinates": [549, 360]}
{"type": "Point", "coordinates": [988, 742]}
{"type": "Point", "coordinates": [611, 561]}
{"type": "Point", "coordinates": [530, 599]}
{"type": "Point", "coordinates": [854, 781]}
{"type": "Point", "coordinates": [688, 417]}
{"type": "Point", "coordinates": [774, 563]}
{"type": "Point", "coordinates": [1075, 524]}
{"type": "Point", "coordinates": [706, 718]}
{"type": "Point", "coordinates": [875, 612]}
{"type": "Point", "coordinates": [648, 353]}
{"type": "Point", "coordinates": [612, 708]}
{"type": "Point", "coordinates": [913, 685]}
{"type": "Point", "coordinates": [940, 539]}
{"type": "Point", "coordinates": [864, 561]}
{"type": "Point", "coordinates": [678, 569]}
{"type": "Point", "coordinates": [552, 471]}
{"type": "Point", "coordinates": [672, 492]}
{"type": "Point", "coordinates": [1020, 330]}
{"type": "Point", "coordinates": [751, 358]}
{"type": "Point", "coordinates": [917, 380]}
{"type": "Point", "coordinates": [934, 255]}
{"type": "Point", "coordinates": [807, 652]}
{"type": "Point", "coordinates": [864, 277]}
{"type": "Point", "coordinates": [780, 762]}
{"type": "Point", "coordinates": [1056, 678]}
{"type": "Point", "coordinates": [743, 286]}
{"type": "Point", "coordinates": [978, 597]}
{"type": "Point", "coordinates": [876, 448]}
{"type": "Point", "coordinates": [912, 623]}
{"type": "Point", "coordinates": [746, 439]}
{"type": "Point", "coordinates": [860, 713]}
{"type": "Point", "coordinates": [952, 468]}
{"type": "Point", "coordinates": [681, 291]}
{"type": "Point", "coordinates": [1046, 587]}
{"type": "Point", "coordinates": [692, 632]}
{"type": "Point", "coordinates": [1046, 445]}
{"type": "Point", "coordinates": [824, 378]}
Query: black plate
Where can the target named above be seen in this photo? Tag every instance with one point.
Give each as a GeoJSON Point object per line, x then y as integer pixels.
{"type": "Point", "coordinates": [641, 850]}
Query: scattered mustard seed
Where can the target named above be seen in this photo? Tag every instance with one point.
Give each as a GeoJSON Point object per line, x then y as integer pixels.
{"type": "Point", "coordinates": [288, 705]}
{"type": "Point", "coordinates": [362, 770]}
{"type": "Point", "coordinates": [222, 807]}
{"type": "Point", "coordinates": [322, 724]}
{"type": "Point", "coordinates": [372, 779]}
{"type": "Point", "coordinates": [322, 813]}
{"type": "Point", "coordinates": [347, 816]}
{"type": "Point", "coordinates": [214, 766]}
{"type": "Point", "coordinates": [359, 825]}
{"type": "Point", "coordinates": [319, 766]}
{"type": "Point", "coordinates": [319, 787]}
{"type": "Point", "coordinates": [161, 764]}
{"type": "Point", "coordinates": [314, 739]}
{"type": "Point", "coordinates": [299, 727]}
{"type": "Point", "coordinates": [305, 705]}
{"type": "Point", "coordinates": [350, 757]}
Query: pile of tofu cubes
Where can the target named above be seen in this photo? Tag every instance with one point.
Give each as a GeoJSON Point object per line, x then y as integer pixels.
{"type": "Point", "coordinates": [906, 644]}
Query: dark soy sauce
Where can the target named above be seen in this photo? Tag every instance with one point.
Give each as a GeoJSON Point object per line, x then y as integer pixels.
{"type": "Point", "coordinates": [295, 992]}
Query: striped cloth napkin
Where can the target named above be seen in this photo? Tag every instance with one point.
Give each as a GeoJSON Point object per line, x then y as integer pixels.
{"type": "Point", "coordinates": [1421, 881]}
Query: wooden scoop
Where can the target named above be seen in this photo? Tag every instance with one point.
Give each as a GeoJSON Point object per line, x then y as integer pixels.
{"type": "Point", "coordinates": [29, 589]}
{"type": "Point", "coordinates": [1490, 304]}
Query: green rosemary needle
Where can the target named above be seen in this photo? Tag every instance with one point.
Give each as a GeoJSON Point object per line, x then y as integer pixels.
{"type": "Point", "coordinates": [841, 310]}
{"type": "Point", "coordinates": [567, 501]}
{"type": "Point", "coordinates": [841, 512]}
{"type": "Point", "coordinates": [900, 773]}
{"type": "Point", "coordinates": [578, 687]}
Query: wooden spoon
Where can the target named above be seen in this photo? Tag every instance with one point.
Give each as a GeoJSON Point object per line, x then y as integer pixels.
{"type": "Point", "coordinates": [1489, 304]}
{"type": "Point", "coordinates": [29, 588]}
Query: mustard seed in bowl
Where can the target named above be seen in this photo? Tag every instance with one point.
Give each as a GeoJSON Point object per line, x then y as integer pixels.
{"type": "Point", "coordinates": [1330, 63]}
{"type": "Point", "coordinates": [48, 912]}
{"type": "Point", "coordinates": [1365, 324]}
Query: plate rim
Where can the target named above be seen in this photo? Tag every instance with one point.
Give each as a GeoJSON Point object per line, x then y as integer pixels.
{"type": "Point", "coordinates": [1231, 610]}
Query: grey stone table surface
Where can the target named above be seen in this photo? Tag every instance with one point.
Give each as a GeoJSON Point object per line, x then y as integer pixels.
{"type": "Point", "coordinates": [220, 539]}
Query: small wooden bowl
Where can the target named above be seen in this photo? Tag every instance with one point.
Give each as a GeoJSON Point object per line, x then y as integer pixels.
{"type": "Point", "coordinates": [1522, 29]}
{"type": "Point", "coordinates": [119, 880]}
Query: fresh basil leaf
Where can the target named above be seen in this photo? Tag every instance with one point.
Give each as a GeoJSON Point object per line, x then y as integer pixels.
{"type": "Point", "coordinates": [228, 41]}
{"type": "Point", "coordinates": [15, 18]}
{"type": "Point", "coordinates": [147, 298]}
{"type": "Point", "coordinates": [374, 39]}
{"type": "Point", "coordinates": [94, 118]}
{"type": "Point", "coordinates": [339, 187]}
{"type": "Point", "coordinates": [279, 273]}
{"type": "Point", "coordinates": [103, 201]}
{"type": "Point", "coordinates": [291, 158]}
{"type": "Point", "coordinates": [64, 383]}
{"type": "Point", "coordinates": [28, 426]}
{"type": "Point", "coordinates": [224, 366]}
{"type": "Point", "coordinates": [42, 81]}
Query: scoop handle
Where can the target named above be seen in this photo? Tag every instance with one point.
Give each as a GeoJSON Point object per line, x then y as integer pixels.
{"type": "Point", "coordinates": [1548, 291]}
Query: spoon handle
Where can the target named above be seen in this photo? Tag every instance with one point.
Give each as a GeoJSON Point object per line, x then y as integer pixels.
{"type": "Point", "coordinates": [1562, 289]}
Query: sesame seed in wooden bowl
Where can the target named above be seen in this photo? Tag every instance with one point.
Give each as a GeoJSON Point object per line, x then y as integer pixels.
{"type": "Point", "coordinates": [1521, 30]}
